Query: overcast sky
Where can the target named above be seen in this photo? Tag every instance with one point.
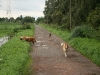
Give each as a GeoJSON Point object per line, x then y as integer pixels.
{"type": "Point", "coordinates": [33, 8]}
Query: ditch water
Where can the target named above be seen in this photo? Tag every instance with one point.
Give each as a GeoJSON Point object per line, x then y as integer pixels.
{"type": "Point", "coordinates": [3, 40]}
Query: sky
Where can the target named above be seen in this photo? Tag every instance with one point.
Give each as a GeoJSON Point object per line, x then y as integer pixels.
{"type": "Point", "coordinates": [33, 8]}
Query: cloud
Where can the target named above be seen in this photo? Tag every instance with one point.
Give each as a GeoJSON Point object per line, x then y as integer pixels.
{"type": "Point", "coordinates": [32, 8]}
{"type": "Point", "coordinates": [29, 13]}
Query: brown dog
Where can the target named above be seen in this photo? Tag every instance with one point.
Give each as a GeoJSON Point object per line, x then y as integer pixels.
{"type": "Point", "coordinates": [28, 39]}
{"type": "Point", "coordinates": [23, 37]}
{"type": "Point", "coordinates": [49, 36]}
{"type": "Point", "coordinates": [65, 48]}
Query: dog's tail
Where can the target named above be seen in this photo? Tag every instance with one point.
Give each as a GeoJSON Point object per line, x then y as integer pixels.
{"type": "Point", "coordinates": [65, 44]}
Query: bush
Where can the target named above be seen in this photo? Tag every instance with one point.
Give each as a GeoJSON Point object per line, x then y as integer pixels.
{"type": "Point", "coordinates": [82, 31]}
{"type": "Point", "coordinates": [26, 26]}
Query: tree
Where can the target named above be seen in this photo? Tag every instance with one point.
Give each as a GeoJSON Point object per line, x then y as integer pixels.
{"type": "Point", "coordinates": [58, 11]}
{"type": "Point", "coordinates": [28, 19]}
{"type": "Point", "coordinates": [11, 19]}
{"type": "Point", "coordinates": [94, 18]}
{"type": "Point", "coordinates": [40, 20]}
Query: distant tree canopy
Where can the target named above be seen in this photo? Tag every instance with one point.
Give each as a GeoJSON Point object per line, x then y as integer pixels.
{"type": "Point", "coordinates": [2, 19]}
{"type": "Point", "coordinates": [28, 19]}
{"type": "Point", "coordinates": [58, 12]}
{"type": "Point", "coordinates": [40, 20]}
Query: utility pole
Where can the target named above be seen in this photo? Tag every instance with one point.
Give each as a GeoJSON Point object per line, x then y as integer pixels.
{"type": "Point", "coordinates": [8, 10]}
{"type": "Point", "coordinates": [70, 15]}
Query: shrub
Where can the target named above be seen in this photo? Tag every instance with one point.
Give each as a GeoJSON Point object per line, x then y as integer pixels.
{"type": "Point", "coordinates": [82, 31]}
{"type": "Point", "coordinates": [26, 26]}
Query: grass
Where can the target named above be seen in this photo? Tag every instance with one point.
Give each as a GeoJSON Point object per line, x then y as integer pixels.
{"type": "Point", "coordinates": [14, 55]}
{"type": "Point", "coordinates": [7, 28]}
{"type": "Point", "coordinates": [87, 47]}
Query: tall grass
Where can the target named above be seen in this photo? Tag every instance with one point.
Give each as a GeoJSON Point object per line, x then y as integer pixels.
{"type": "Point", "coordinates": [87, 47]}
{"type": "Point", "coordinates": [14, 55]}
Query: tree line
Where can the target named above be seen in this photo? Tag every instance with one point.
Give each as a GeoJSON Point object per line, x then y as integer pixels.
{"type": "Point", "coordinates": [20, 19]}
{"type": "Point", "coordinates": [82, 11]}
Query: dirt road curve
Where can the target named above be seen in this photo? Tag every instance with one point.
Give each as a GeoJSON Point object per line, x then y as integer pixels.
{"type": "Point", "coordinates": [48, 58]}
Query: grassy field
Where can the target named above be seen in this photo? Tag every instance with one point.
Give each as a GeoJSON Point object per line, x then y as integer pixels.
{"type": "Point", "coordinates": [14, 55]}
{"type": "Point", "coordinates": [7, 28]}
{"type": "Point", "coordinates": [87, 47]}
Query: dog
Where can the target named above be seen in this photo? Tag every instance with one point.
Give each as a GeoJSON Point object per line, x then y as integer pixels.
{"type": "Point", "coordinates": [49, 36]}
{"type": "Point", "coordinates": [23, 37]}
{"type": "Point", "coordinates": [65, 48]}
{"type": "Point", "coordinates": [28, 39]}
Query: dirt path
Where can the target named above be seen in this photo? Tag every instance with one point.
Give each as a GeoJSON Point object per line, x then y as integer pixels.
{"type": "Point", "coordinates": [48, 58]}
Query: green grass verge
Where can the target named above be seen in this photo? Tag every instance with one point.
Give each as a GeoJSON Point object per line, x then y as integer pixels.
{"type": "Point", "coordinates": [14, 55]}
{"type": "Point", "coordinates": [87, 47]}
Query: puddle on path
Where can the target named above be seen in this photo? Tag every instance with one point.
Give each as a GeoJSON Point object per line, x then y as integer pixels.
{"type": "Point", "coordinates": [43, 46]}
{"type": "Point", "coordinates": [37, 45]}
{"type": "Point", "coordinates": [40, 37]}
{"type": "Point", "coordinates": [46, 47]}
{"type": "Point", "coordinates": [40, 41]}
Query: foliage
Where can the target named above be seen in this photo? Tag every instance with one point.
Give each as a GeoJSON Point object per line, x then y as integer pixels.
{"type": "Point", "coordinates": [58, 11]}
{"type": "Point", "coordinates": [28, 19]}
{"type": "Point", "coordinates": [40, 20]}
{"type": "Point", "coordinates": [94, 18]}
{"type": "Point", "coordinates": [19, 19]}
{"type": "Point", "coordinates": [82, 31]}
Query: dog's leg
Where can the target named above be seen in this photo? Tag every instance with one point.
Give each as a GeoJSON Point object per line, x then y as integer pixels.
{"type": "Point", "coordinates": [65, 54]}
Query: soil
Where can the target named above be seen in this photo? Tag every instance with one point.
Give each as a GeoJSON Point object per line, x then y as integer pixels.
{"type": "Point", "coordinates": [48, 57]}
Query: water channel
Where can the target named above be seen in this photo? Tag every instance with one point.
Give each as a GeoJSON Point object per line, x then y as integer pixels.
{"type": "Point", "coordinates": [3, 40]}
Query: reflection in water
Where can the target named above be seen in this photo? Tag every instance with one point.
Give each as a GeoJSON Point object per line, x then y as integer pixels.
{"type": "Point", "coordinates": [3, 40]}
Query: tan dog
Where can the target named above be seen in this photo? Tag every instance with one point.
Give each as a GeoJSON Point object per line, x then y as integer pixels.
{"type": "Point", "coordinates": [65, 48]}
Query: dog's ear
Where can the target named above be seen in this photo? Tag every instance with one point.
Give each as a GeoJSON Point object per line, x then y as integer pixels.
{"type": "Point", "coordinates": [61, 44]}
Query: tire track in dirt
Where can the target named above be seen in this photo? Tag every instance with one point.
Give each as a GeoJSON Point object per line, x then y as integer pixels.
{"type": "Point", "coordinates": [48, 57]}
